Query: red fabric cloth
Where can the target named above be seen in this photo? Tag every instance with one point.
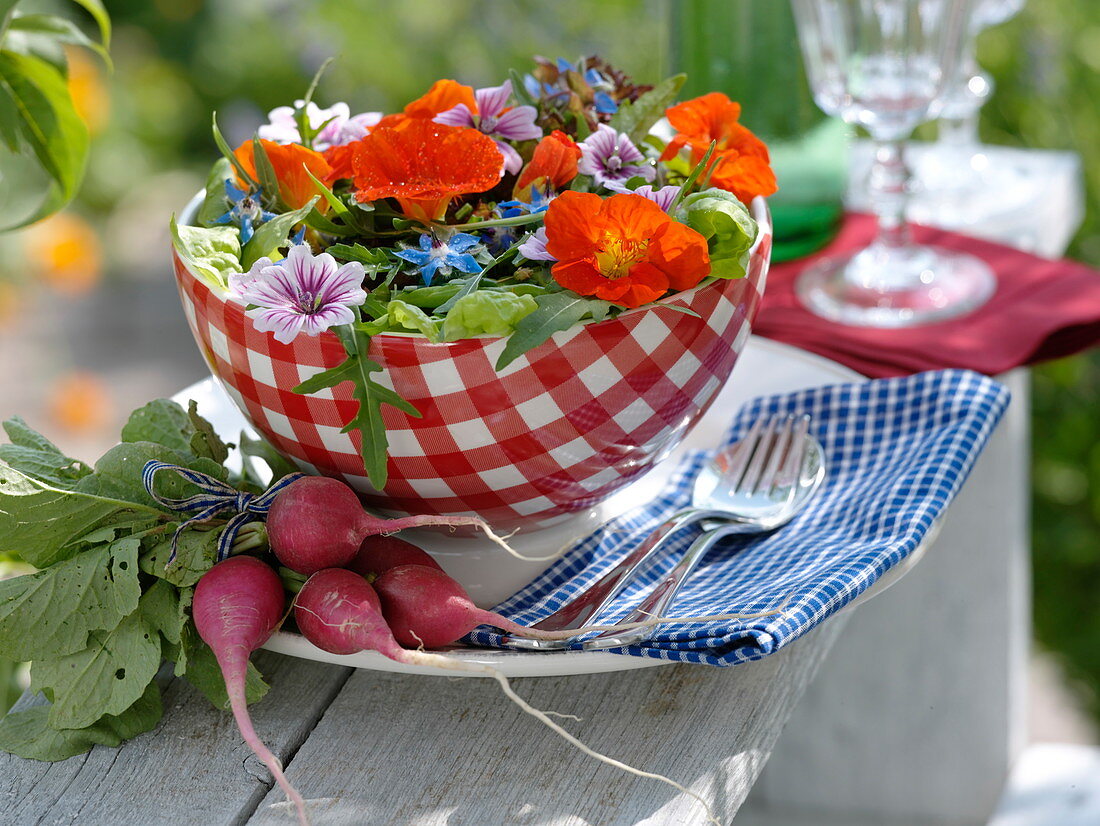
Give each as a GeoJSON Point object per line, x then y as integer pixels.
{"type": "Point", "coordinates": [1043, 309]}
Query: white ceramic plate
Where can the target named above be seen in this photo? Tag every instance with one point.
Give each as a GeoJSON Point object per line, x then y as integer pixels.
{"type": "Point", "coordinates": [491, 575]}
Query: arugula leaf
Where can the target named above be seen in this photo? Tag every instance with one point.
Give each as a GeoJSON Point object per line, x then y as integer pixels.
{"type": "Point", "coordinates": [65, 602]}
{"type": "Point", "coordinates": [638, 117]}
{"type": "Point", "coordinates": [344, 371]}
{"type": "Point", "coordinates": [36, 456]}
{"type": "Point", "coordinates": [556, 312]}
{"type": "Point", "coordinates": [28, 734]}
{"type": "Point", "coordinates": [272, 234]}
{"type": "Point", "coordinates": [430, 298]}
{"type": "Point", "coordinates": [228, 154]}
{"type": "Point", "coordinates": [269, 182]}
{"type": "Point", "coordinates": [371, 396]}
{"type": "Point", "coordinates": [107, 677]}
{"type": "Point", "coordinates": [357, 252]}
{"type": "Point", "coordinates": [203, 672]}
{"type": "Point", "coordinates": [215, 203]}
{"type": "Point", "coordinates": [39, 520]}
{"type": "Point", "coordinates": [213, 252]}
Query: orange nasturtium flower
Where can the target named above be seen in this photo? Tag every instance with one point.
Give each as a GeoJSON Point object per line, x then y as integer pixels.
{"type": "Point", "coordinates": [554, 159]}
{"type": "Point", "coordinates": [741, 159]}
{"type": "Point", "coordinates": [424, 165]}
{"type": "Point", "coordinates": [624, 249]}
{"type": "Point", "coordinates": [443, 95]}
{"type": "Point", "coordinates": [290, 161]}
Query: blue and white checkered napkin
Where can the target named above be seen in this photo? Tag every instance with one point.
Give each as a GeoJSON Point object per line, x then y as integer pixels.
{"type": "Point", "coordinates": [897, 452]}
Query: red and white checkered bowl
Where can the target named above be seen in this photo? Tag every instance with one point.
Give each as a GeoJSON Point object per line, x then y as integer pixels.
{"type": "Point", "coordinates": [558, 430]}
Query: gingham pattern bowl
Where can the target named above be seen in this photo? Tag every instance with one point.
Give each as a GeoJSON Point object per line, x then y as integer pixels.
{"type": "Point", "coordinates": [557, 431]}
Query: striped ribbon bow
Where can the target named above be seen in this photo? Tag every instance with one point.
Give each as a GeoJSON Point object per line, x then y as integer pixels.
{"type": "Point", "coordinates": [214, 497]}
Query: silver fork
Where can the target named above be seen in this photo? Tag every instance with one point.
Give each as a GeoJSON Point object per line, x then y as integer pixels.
{"type": "Point", "coordinates": [754, 485]}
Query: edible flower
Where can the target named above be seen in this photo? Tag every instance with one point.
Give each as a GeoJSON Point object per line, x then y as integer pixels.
{"type": "Point", "coordinates": [610, 155]}
{"type": "Point", "coordinates": [664, 197]}
{"type": "Point", "coordinates": [554, 159]}
{"type": "Point", "coordinates": [289, 161]}
{"type": "Point", "coordinates": [303, 293]}
{"type": "Point", "coordinates": [246, 210]}
{"type": "Point", "coordinates": [533, 247]}
{"type": "Point", "coordinates": [623, 249]}
{"type": "Point", "coordinates": [336, 125]}
{"type": "Point", "coordinates": [423, 166]}
{"type": "Point", "coordinates": [741, 162]}
{"type": "Point", "coordinates": [602, 87]}
{"type": "Point", "coordinates": [441, 256]}
{"type": "Point", "coordinates": [492, 116]}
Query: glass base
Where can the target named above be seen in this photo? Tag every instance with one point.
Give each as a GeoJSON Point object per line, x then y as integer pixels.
{"type": "Point", "coordinates": [904, 287]}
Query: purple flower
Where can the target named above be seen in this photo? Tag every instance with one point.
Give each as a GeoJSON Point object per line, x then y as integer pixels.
{"type": "Point", "coordinates": [608, 155]}
{"type": "Point", "coordinates": [534, 247]}
{"type": "Point", "coordinates": [439, 256]}
{"type": "Point", "coordinates": [303, 293]}
{"type": "Point", "coordinates": [496, 120]}
{"type": "Point", "coordinates": [663, 197]}
{"type": "Point", "coordinates": [336, 123]}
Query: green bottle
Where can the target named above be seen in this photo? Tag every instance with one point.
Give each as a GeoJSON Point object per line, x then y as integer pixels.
{"type": "Point", "coordinates": [749, 50]}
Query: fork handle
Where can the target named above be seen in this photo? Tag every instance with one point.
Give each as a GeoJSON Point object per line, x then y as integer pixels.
{"type": "Point", "coordinates": [594, 599]}
{"type": "Point", "coordinates": [662, 595]}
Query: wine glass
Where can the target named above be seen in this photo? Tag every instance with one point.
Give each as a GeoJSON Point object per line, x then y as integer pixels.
{"type": "Point", "coordinates": [957, 185]}
{"type": "Point", "coordinates": [886, 65]}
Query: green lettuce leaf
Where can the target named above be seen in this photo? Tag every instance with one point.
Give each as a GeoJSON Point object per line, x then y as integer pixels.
{"type": "Point", "coordinates": [411, 317]}
{"type": "Point", "coordinates": [487, 312]}
{"type": "Point", "coordinates": [725, 222]}
{"type": "Point", "coordinates": [213, 252]}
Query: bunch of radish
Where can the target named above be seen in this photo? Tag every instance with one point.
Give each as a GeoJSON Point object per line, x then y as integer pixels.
{"type": "Point", "coordinates": [366, 591]}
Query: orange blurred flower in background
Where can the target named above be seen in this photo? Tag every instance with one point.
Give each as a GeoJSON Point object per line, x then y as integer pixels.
{"type": "Point", "coordinates": [554, 159]}
{"type": "Point", "coordinates": [80, 401]}
{"type": "Point", "coordinates": [290, 161]}
{"type": "Point", "coordinates": [624, 249]}
{"type": "Point", "coordinates": [64, 252]}
{"type": "Point", "coordinates": [86, 87]}
{"type": "Point", "coordinates": [741, 162]}
{"type": "Point", "coordinates": [424, 165]}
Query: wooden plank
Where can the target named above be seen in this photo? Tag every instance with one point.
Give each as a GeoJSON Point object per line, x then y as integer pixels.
{"type": "Point", "coordinates": [430, 750]}
{"type": "Point", "coordinates": [193, 768]}
{"type": "Point", "coordinates": [931, 675]}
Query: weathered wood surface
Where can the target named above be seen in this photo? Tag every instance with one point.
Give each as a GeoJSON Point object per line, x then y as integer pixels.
{"type": "Point", "coordinates": [192, 769]}
{"type": "Point", "coordinates": [413, 750]}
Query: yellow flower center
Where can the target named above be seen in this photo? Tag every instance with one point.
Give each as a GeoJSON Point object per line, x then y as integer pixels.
{"type": "Point", "coordinates": [615, 255]}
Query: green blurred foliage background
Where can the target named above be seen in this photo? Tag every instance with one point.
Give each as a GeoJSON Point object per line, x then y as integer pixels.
{"type": "Point", "coordinates": [177, 60]}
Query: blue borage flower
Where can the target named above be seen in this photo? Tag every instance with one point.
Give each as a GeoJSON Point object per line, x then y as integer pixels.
{"type": "Point", "coordinates": [246, 211]}
{"type": "Point", "coordinates": [441, 256]}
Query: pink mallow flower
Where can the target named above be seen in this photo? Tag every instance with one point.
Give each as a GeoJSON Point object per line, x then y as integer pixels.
{"type": "Point", "coordinates": [663, 197]}
{"type": "Point", "coordinates": [496, 120]}
{"type": "Point", "coordinates": [303, 293]}
{"type": "Point", "coordinates": [610, 156]}
{"type": "Point", "coordinates": [533, 247]}
{"type": "Point", "coordinates": [340, 127]}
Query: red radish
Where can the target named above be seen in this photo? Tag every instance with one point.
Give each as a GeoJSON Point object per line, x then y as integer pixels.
{"type": "Point", "coordinates": [378, 554]}
{"type": "Point", "coordinates": [425, 607]}
{"type": "Point", "coordinates": [317, 522]}
{"type": "Point", "coordinates": [238, 605]}
{"type": "Point", "coordinates": [337, 610]}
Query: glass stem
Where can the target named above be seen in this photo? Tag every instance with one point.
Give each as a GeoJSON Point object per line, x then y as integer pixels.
{"type": "Point", "coordinates": [889, 190]}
